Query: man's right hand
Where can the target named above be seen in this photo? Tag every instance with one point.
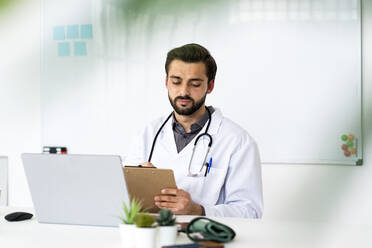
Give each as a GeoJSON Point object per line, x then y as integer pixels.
{"type": "Point", "coordinates": [147, 164]}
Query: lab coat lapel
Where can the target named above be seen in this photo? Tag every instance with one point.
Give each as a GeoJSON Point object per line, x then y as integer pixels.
{"type": "Point", "coordinates": [216, 122]}
{"type": "Point", "coordinates": [167, 139]}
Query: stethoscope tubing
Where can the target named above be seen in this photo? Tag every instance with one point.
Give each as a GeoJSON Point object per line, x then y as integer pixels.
{"type": "Point", "coordinates": [196, 141]}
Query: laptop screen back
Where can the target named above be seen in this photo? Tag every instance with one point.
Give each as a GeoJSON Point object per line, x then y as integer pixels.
{"type": "Point", "coordinates": [76, 189]}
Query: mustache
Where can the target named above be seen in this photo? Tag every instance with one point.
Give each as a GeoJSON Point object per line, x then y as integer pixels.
{"type": "Point", "coordinates": [183, 98]}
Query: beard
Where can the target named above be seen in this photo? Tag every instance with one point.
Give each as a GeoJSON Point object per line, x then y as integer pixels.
{"type": "Point", "coordinates": [183, 110]}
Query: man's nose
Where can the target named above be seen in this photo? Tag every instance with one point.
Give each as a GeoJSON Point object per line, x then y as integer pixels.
{"type": "Point", "coordinates": [184, 90]}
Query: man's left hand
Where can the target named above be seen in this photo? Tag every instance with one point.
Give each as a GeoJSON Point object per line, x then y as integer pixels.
{"type": "Point", "coordinates": [178, 201]}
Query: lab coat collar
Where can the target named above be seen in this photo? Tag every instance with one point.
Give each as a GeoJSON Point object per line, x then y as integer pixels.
{"type": "Point", "coordinates": [216, 122]}
{"type": "Point", "coordinates": [167, 136]}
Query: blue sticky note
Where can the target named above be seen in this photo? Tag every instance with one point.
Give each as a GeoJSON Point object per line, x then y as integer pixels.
{"type": "Point", "coordinates": [80, 48]}
{"type": "Point", "coordinates": [63, 49]}
{"type": "Point", "coordinates": [59, 33]}
{"type": "Point", "coordinates": [73, 32]}
{"type": "Point", "coordinates": [86, 31]}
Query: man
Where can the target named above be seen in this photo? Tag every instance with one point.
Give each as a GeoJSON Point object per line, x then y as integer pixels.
{"type": "Point", "coordinates": [230, 184]}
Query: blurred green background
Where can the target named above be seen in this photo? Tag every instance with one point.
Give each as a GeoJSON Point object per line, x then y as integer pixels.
{"type": "Point", "coordinates": [4, 4]}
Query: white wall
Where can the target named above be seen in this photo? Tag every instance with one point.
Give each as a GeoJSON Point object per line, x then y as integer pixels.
{"type": "Point", "coordinates": [292, 192]}
{"type": "Point", "coordinates": [3, 181]}
{"type": "Point", "coordinates": [19, 91]}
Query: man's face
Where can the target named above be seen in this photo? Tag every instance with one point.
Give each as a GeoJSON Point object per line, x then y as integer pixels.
{"type": "Point", "coordinates": [187, 85]}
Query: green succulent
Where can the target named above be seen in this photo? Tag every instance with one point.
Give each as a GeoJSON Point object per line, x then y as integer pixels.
{"type": "Point", "coordinates": [144, 220]}
{"type": "Point", "coordinates": [131, 212]}
{"type": "Point", "coordinates": [166, 218]}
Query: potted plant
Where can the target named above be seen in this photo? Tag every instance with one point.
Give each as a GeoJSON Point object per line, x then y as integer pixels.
{"type": "Point", "coordinates": [127, 226]}
{"type": "Point", "coordinates": [167, 228]}
{"type": "Point", "coordinates": [145, 231]}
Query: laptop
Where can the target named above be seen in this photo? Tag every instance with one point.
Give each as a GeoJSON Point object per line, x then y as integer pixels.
{"type": "Point", "coordinates": [76, 189]}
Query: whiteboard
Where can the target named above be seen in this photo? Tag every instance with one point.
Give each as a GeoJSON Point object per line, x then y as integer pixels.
{"type": "Point", "coordinates": [289, 72]}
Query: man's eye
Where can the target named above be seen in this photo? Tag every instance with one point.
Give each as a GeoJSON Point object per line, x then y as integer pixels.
{"type": "Point", "coordinates": [176, 82]}
{"type": "Point", "coordinates": [196, 85]}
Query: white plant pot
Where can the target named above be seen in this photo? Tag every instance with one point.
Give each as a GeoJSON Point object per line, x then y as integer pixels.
{"type": "Point", "coordinates": [145, 237]}
{"type": "Point", "coordinates": [127, 233]}
{"type": "Point", "coordinates": [167, 235]}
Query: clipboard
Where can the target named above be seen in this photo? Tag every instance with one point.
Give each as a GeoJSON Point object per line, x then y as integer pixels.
{"type": "Point", "coordinates": [144, 183]}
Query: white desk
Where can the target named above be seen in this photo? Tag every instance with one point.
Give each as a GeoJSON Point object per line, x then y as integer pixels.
{"type": "Point", "coordinates": [250, 233]}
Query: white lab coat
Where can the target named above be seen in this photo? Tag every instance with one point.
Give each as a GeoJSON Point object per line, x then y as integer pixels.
{"type": "Point", "coordinates": [233, 188]}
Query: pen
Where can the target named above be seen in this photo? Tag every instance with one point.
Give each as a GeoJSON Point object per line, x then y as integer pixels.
{"type": "Point", "coordinates": [210, 164]}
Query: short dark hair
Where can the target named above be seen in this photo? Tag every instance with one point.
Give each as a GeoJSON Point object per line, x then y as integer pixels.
{"type": "Point", "coordinates": [192, 53]}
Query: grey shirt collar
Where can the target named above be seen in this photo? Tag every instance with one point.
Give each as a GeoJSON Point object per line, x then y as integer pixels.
{"type": "Point", "coordinates": [181, 137]}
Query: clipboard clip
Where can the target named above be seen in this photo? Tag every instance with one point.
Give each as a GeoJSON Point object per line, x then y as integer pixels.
{"type": "Point", "coordinates": [138, 166]}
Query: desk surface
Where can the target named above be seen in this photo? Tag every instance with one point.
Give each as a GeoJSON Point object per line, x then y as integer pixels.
{"type": "Point", "coordinates": [250, 233]}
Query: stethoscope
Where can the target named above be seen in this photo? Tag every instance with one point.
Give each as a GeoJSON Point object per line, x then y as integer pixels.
{"type": "Point", "coordinates": [205, 164]}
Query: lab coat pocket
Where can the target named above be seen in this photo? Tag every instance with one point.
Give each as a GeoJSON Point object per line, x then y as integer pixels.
{"type": "Point", "coordinates": [205, 190]}
{"type": "Point", "coordinates": [212, 186]}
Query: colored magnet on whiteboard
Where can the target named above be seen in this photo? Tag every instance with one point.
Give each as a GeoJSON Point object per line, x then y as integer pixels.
{"type": "Point", "coordinates": [344, 147]}
{"type": "Point", "coordinates": [347, 153]}
{"type": "Point", "coordinates": [349, 144]}
{"type": "Point", "coordinates": [352, 150]}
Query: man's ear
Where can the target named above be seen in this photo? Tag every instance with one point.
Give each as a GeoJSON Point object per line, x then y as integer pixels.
{"type": "Point", "coordinates": [166, 81]}
{"type": "Point", "coordinates": [210, 86]}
